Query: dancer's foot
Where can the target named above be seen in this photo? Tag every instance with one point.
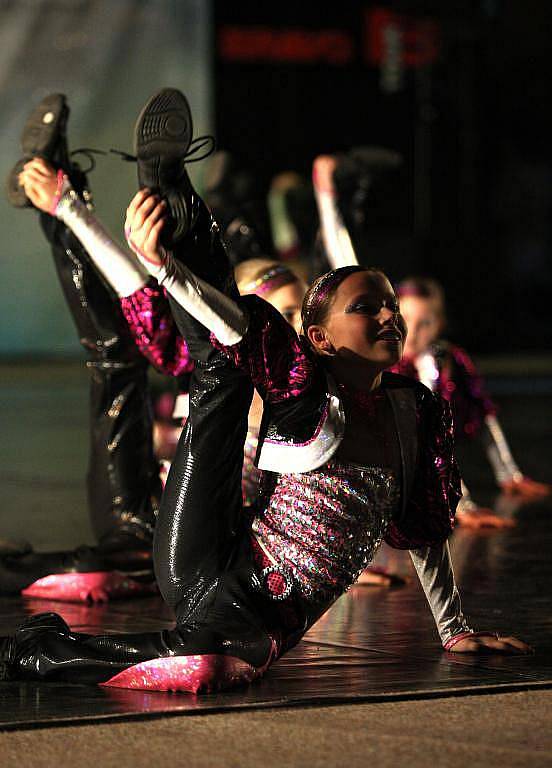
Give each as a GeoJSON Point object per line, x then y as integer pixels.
{"type": "Point", "coordinates": [201, 673]}
{"type": "Point", "coordinates": [476, 518]}
{"type": "Point", "coordinates": [378, 577]}
{"type": "Point", "coordinates": [163, 145]}
{"type": "Point", "coordinates": [526, 488]}
{"type": "Point", "coordinates": [45, 647]}
{"type": "Point", "coordinates": [43, 136]}
{"type": "Point", "coordinates": [87, 574]}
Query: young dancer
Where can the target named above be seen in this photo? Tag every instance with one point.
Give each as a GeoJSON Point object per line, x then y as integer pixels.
{"type": "Point", "coordinates": [447, 369]}
{"type": "Point", "coordinates": [356, 455]}
{"type": "Point", "coordinates": [440, 365]}
{"type": "Point", "coordinates": [122, 483]}
{"type": "Point", "coordinates": [277, 284]}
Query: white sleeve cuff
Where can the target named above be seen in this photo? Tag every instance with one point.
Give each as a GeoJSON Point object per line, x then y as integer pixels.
{"type": "Point", "coordinates": [217, 312]}
{"type": "Point", "coordinates": [119, 267]}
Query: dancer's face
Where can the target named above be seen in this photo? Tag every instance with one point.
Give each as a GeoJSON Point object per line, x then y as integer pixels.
{"type": "Point", "coordinates": [423, 322]}
{"type": "Point", "coordinates": [363, 323]}
{"type": "Point", "coordinates": [288, 300]}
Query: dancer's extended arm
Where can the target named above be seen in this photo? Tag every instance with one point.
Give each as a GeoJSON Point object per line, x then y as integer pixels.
{"type": "Point", "coordinates": [434, 568]}
{"type": "Point", "coordinates": [335, 236]}
{"type": "Point", "coordinates": [143, 302]}
{"type": "Point", "coordinates": [252, 332]}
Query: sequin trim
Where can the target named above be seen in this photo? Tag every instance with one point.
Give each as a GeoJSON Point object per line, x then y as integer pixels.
{"type": "Point", "coordinates": [325, 525]}
{"type": "Point", "coordinates": [148, 315]}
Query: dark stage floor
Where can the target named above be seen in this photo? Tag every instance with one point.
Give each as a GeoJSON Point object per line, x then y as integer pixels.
{"type": "Point", "coordinates": [375, 643]}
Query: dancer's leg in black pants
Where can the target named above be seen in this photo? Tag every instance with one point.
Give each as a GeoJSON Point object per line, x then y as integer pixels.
{"type": "Point", "coordinates": [123, 476]}
{"type": "Point", "coordinates": [202, 550]}
{"type": "Point", "coordinates": [123, 485]}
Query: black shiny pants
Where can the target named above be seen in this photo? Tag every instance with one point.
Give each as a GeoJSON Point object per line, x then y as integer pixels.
{"type": "Point", "coordinates": [122, 483]}
{"type": "Point", "coordinates": [202, 551]}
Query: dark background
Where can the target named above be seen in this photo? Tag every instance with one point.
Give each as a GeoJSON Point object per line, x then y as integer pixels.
{"type": "Point", "coordinates": [468, 110]}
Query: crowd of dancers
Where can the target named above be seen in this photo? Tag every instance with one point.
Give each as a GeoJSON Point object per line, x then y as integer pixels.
{"type": "Point", "coordinates": [313, 426]}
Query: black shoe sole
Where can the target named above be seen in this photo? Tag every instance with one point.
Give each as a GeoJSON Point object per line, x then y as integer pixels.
{"type": "Point", "coordinates": [163, 134]}
{"type": "Point", "coordinates": [40, 137]}
{"type": "Point", "coordinates": [44, 125]}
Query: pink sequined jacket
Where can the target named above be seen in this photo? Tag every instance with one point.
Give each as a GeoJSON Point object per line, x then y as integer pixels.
{"type": "Point", "coordinates": [448, 370]}
{"type": "Point", "coordinates": [151, 323]}
{"type": "Point", "coordinates": [458, 382]}
{"type": "Point", "coordinates": [304, 422]}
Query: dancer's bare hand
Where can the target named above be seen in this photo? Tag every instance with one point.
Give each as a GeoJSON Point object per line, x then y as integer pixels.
{"type": "Point", "coordinates": [144, 221]}
{"type": "Point", "coordinates": [323, 170]}
{"type": "Point", "coordinates": [491, 644]}
{"type": "Point", "coordinates": [526, 488]}
{"type": "Point", "coordinates": [482, 517]}
{"type": "Point", "coordinates": [39, 180]}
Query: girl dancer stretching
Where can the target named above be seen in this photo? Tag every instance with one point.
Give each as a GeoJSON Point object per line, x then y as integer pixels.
{"type": "Point", "coordinates": [443, 367]}
{"type": "Point", "coordinates": [357, 455]}
{"type": "Point", "coordinates": [447, 369]}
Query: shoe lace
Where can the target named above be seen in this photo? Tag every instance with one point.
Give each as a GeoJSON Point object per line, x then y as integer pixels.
{"type": "Point", "coordinates": [89, 153]}
{"type": "Point", "coordinates": [193, 155]}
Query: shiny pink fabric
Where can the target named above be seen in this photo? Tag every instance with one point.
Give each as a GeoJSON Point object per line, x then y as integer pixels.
{"type": "Point", "coordinates": [96, 587]}
{"type": "Point", "coordinates": [278, 361]}
{"type": "Point", "coordinates": [188, 674]}
{"type": "Point", "coordinates": [461, 385]}
{"type": "Point", "coordinates": [149, 317]}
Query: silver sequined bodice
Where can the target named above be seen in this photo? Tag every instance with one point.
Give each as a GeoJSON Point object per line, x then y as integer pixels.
{"type": "Point", "coordinates": [325, 525]}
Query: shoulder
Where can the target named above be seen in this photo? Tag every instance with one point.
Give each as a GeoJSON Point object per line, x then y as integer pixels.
{"type": "Point", "coordinates": [460, 357]}
{"type": "Point", "coordinates": [428, 404]}
{"type": "Point", "coordinates": [398, 381]}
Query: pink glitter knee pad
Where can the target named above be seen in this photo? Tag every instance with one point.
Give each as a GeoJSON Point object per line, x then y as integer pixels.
{"type": "Point", "coordinates": [189, 674]}
{"type": "Point", "coordinates": [95, 587]}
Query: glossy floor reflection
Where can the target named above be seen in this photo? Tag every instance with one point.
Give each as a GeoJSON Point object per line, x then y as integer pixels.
{"type": "Point", "coordinates": [375, 643]}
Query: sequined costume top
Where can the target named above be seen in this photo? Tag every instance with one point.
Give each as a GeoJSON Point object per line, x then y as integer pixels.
{"type": "Point", "coordinates": [324, 526]}
{"type": "Point", "coordinates": [447, 369]}
{"type": "Point", "coordinates": [293, 383]}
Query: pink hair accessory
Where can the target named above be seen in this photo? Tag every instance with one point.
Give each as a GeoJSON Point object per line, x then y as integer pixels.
{"type": "Point", "coordinates": [456, 639]}
{"type": "Point", "coordinates": [60, 178]}
{"type": "Point", "coordinates": [273, 278]}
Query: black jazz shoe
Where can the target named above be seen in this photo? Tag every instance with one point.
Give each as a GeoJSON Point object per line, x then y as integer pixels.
{"type": "Point", "coordinates": [163, 145]}
{"type": "Point", "coordinates": [43, 136]}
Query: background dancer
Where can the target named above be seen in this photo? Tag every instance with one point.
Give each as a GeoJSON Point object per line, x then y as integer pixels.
{"type": "Point", "coordinates": [440, 365]}
{"type": "Point", "coordinates": [123, 486]}
{"type": "Point", "coordinates": [447, 369]}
